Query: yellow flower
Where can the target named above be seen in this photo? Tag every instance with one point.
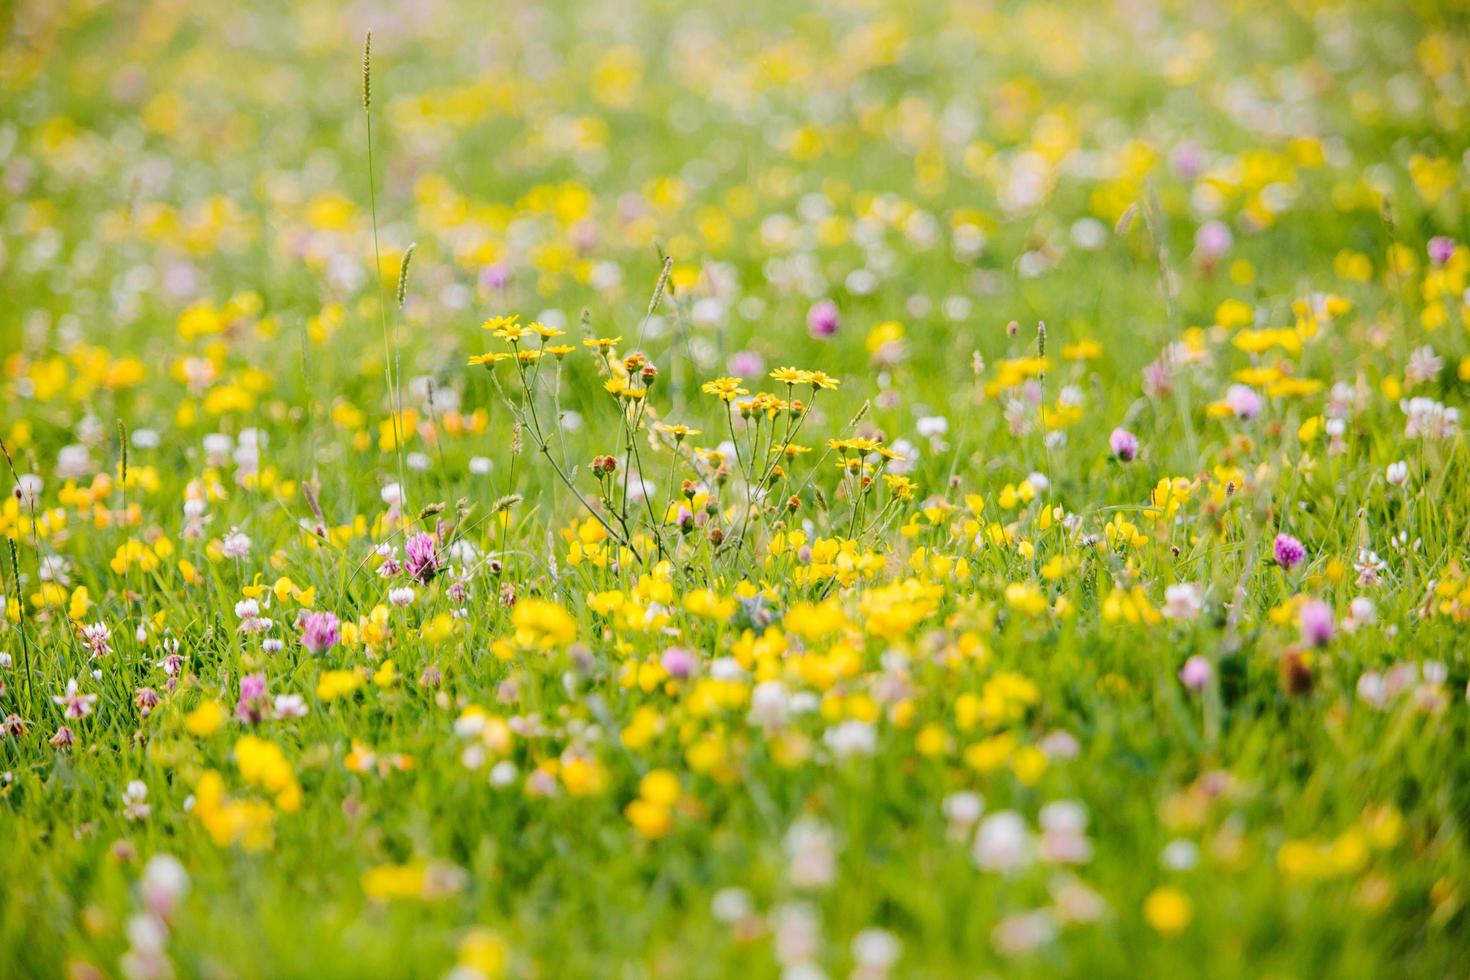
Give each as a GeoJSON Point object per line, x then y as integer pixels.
{"type": "Point", "coordinates": [263, 764]}
{"type": "Point", "coordinates": [501, 325]}
{"type": "Point", "coordinates": [1083, 350]}
{"type": "Point", "coordinates": [388, 881]}
{"type": "Point", "coordinates": [650, 820]}
{"type": "Point", "coordinates": [706, 603]}
{"type": "Point", "coordinates": [679, 432]}
{"type": "Point", "coordinates": [542, 625]}
{"type": "Point", "coordinates": [334, 684]}
{"type": "Point", "coordinates": [660, 787]}
{"type": "Point", "coordinates": [1168, 910]}
{"type": "Point", "coordinates": [386, 675]}
{"type": "Point", "coordinates": [725, 389]}
{"type": "Point", "coordinates": [205, 720]}
{"type": "Point", "coordinates": [485, 953]}
{"type": "Point", "coordinates": [1026, 599]}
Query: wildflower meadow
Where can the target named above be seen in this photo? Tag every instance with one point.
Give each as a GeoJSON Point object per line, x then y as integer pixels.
{"type": "Point", "coordinates": [970, 488]}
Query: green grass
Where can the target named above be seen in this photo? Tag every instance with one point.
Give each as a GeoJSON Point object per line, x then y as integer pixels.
{"type": "Point", "coordinates": [188, 240]}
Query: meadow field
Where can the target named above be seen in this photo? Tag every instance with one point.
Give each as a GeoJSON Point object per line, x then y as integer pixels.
{"type": "Point", "coordinates": [969, 488]}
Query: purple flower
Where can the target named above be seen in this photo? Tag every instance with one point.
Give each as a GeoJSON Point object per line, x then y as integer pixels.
{"type": "Point", "coordinates": [252, 686]}
{"type": "Point", "coordinates": [1195, 673]}
{"type": "Point", "coordinates": [1124, 444]}
{"type": "Point", "coordinates": [679, 662]}
{"type": "Point", "coordinates": [822, 319]}
{"type": "Point", "coordinates": [97, 637]}
{"type": "Point", "coordinates": [1243, 401]}
{"type": "Point", "coordinates": [1212, 240]}
{"type": "Point", "coordinates": [75, 704]}
{"type": "Point", "coordinates": [747, 364]}
{"type": "Point", "coordinates": [1187, 159]}
{"type": "Point", "coordinates": [1158, 377]}
{"type": "Point", "coordinates": [1441, 248]}
{"type": "Point", "coordinates": [423, 560]}
{"type": "Point", "coordinates": [320, 632]}
{"type": "Point", "coordinates": [1315, 619]}
{"type": "Point", "coordinates": [496, 276]}
{"type": "Point", "coordinates": [251, 706]}
{"type": "Point", "coordinates": [1289, 551]}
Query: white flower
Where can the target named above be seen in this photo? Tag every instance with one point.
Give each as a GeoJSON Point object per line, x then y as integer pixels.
{"type": "Point", "coordinates": [811, 852]}
{"type": "Point", "coordinates": [28, 489]}
{"type": "Point", "coordinates": [290, 706]}
{"type": "Point", "coordinates": [235, 545]}
{"type": "Point", "coordinates": [503, 773]}
{"type": "Point", "coordinates": [1361, 612]}
{"type": "Point", "coordinates": [217, 448]}
{"type": "Point", "coordinates": [852, 738]}
{"type": "Point", "coordinates": [1397, 474]}
{"type": "Point", "coordinates": [1064, 833]}
{"type": "Point", "coordinates": [730, 904]}
{"type": "Point", "coordinates": [1427, 418]}
{"type": "Point", "coordinates": [1180, 854]}
{"type": "Point", "coordinates": [875, 950]}
{"type": "Point", "coordinates": [797, 931]}
{"type": "Point", "coordinates": [963, 807]}
{"type": "Point", "coordinates": [1018, 934]}
{"type": "Point", "coordinates": [1424, 365]}
{"type": "Point", "coordinates": [932, 425]}
{"type": "Point", "coordinates": [135, 797]}
{"type": "Point", "coordinates": [73, 462]}
{"type": "Point", "coordinates": [1003, 842]}
{"type": "Point", "coordinates": [769, 705]}
{"type": "Point", "coordinates": [164, 883]}
{"type": "Point", "coordinates": [1183, 602]}
{"type": "Point", "coordinates": [402, 596]}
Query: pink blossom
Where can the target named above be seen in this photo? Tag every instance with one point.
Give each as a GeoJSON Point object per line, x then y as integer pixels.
{"type": "Point", "coordinates": [679, 662]}
{"type": "Point", "coordinates": [1243, 401]}
{"type": "Point", "coordinates": [320, 631]}
{"type": "Point", "coordinates": [1124, 444]}
{"type": "Point", "coordinates": [1195, 673]}
{"type": "Point", "coordinates": [73, 703]}
{"type": "Point", "coordinates": [97, 637]}
{"type": "Point", "coordinates": [1317, 626]}
{"type": "Point", "coordinates": [823, 319]}
{"type": "Point", "coordinates": [423, 560]}
{"type": "Point", "coordinates": [1289, 551]}
{"type": "Point", "coordinates": [251, 707]}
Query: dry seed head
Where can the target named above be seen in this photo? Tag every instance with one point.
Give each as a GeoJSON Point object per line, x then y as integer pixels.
{"type": "Point", "coordinates": [1126, 219]}
{"type": "Point", "coordinates": [367, 71]}
{"type": "Point", "coordinates": [15, 569]}
{"type": "Point", "coordinates": [663, 281]}
{"type": "Point", "coordinates": [403, 273]}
